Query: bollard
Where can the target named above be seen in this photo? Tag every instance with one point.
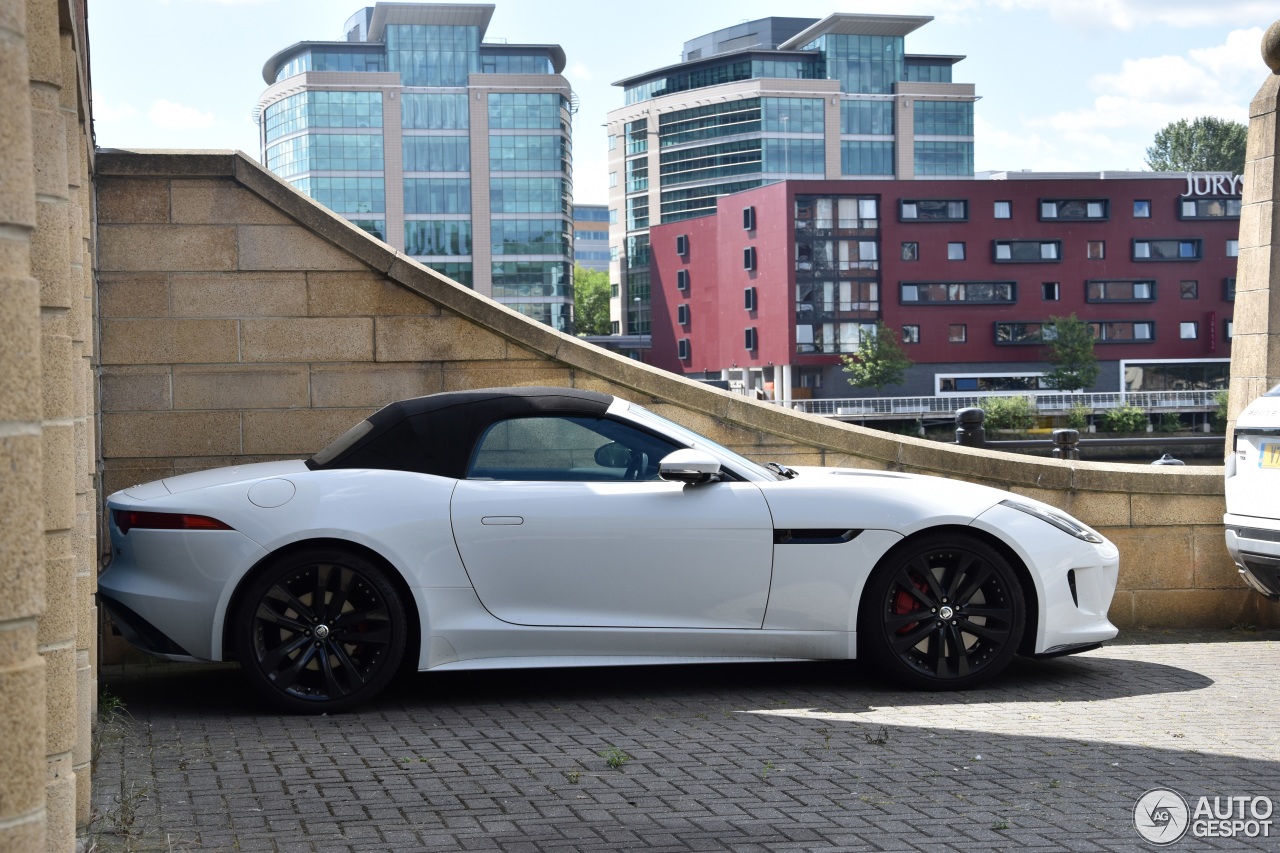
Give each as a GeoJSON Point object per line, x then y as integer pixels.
{"type": "Point", "coordinates": [969, 429]}
{"type": "Point", "coordinates": [1066, 444]}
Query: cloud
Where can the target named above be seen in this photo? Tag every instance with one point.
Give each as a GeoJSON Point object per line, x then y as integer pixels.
{"type": "Point", "coordinates": [579, 71]}
{"type": "Point", "coordinates": [173, 116]}
{"type": "Point", "coordinates": [111, 111]}
{"type": "Point", "coordinates": [1128, 15]}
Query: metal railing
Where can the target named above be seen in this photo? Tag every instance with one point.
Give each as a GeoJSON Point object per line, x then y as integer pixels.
{"type": "Point", "coordinates": [1046, 403]}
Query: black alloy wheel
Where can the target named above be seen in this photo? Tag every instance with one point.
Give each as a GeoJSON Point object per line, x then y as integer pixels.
{"type": "Point", "coordinates": [944, 613]}
{"type": "Point", "coordinates": [320, 631]}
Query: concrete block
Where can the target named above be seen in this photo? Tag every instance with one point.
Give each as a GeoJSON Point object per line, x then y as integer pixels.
{"type": "Point", "coordinates": [123, 473]}
{"type": "Point", "coordinates": [1213, 566]}
{"type": "Point", "coordinates": [1154, 557]}
{"type": "Point", "coordinates": [200, 203]}
{"type": "Point", "coordinates": [151, 434]}
{"type": "Point", "coordinates": [22, 534]}
{"type": "Point", "coordinates": [169, 341]}
{"type": "Point", "coordinates": [60, 695]}
{"type": "Point", "coordinates": [49, 253]}
{"type": "Point", "coordinates": [136, 389]}
{"type": "Point", "coordinates": [307, 339]}
{"type": "Point", "coordinates": [356, 385]}
{"type": "Point", "coordinates": [289, 247]}
{"type": "Point", "coordinates": [56, 374]}
{"type": "Point", "coordinates": [300, 432]}
{"type": "Point", "coordinates": [21, 398]}
{"type": "Point", "coordinates": [252, 294]}
{"type": "Point", "coordinates": [49, 144]}
{"type": "Point", "coordinates": [166, 248]}
{"type": "Point", "coordinates": [58, 622]}
{"type": "Point", "coordinates": [22, 727]}
{"type": "Point", "coordinates": [347, 294]}
{"type": "Point", "coordinates": [443, 338]}
{"type": "Point", "coordinates": [462, 375]}
{"type": "Point", "coordinates": [58, 471]}
{"type": "Point", "coordinates": [1153, 509]}
{"type": "Point", "coordinates": [1194, 608]}
{"type": "Point", "coordinates": [242, 386]}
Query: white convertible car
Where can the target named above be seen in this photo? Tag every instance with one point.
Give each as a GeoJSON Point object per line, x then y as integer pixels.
{"type": "Point", "coordinates": [533, 527]}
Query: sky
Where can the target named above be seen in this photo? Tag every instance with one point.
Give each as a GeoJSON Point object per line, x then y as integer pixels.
{"type": "Point", "coordinates": [1065, 85]}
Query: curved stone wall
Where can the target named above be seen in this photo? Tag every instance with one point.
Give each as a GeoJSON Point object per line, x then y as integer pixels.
{"type": "Point", "coordinates": [240, 320]}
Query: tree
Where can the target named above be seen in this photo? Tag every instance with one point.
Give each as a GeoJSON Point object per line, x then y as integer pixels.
{"type": "Point", "coordinates": [878, 361]}
{"type": "Point", "coordinates": [590, 301]}
{"type": "Point", "coordinates": [1207, 144]}
{"type": "Point", "coordinates": [1069, 348]}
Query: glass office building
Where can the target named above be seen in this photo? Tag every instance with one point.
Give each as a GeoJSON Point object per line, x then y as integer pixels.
{"type": "Point", "coordinates": [453, 149]}
{"type": "Point", "coordinates": [770, 100]}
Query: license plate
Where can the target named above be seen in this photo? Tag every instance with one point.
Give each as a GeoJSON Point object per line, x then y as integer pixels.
{"type": "Point", "coordinates": [1269, 457]}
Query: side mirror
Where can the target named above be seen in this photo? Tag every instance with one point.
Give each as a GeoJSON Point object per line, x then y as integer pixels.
{"type": "Point", "coordinates": [612, 455]}
{"type": "Point", "coordinates": [689, 466]}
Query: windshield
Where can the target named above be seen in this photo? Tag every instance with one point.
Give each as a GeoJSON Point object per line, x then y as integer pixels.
{"type": "Point", "coordinates": [695, 440]}
{"type": "Point", "coordinates": [1274, 392]}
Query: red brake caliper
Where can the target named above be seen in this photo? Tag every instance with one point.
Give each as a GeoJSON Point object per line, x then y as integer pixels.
{"type": "Point", "coordinates": [905, 602]}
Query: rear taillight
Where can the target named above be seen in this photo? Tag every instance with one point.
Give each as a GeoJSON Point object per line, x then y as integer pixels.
{"type": "Point", "coordinates": [127, 519]}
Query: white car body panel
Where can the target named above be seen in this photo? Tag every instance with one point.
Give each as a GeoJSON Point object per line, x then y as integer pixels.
{"type": "Point", "coordinates": [645, 555]}
{"type": "Point", "coordinates": [1252, 519]}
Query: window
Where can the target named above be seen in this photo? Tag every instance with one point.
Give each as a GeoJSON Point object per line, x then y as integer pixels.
{"type": "Point", "coordinates": [1187, 331]}
{"type": "Point", "coordinates": [749, 299]}
{"type": "Point", "coordinates": [1209, 208]}
{"type": "Point", "coordinates": [1049, 291]}
{"type": "Point", "coordinates": [1074, 209]}
{"type": "Point", "coordinates": [911, 334]}
{"type": "Point", "coordinates": [749, 258]}
{"type": "Point", "coordinates": [1096, 250]}
{"type": "Point", "coordinates": [970, 291]}
{"type": "Point", "coordinates": [682, 314]}
{"type": "Point", "coordinates": [682, 279]}
{"type": "Point", "coordinates": [1229, 290]}
{"type": "Point", "coordinates": [911, 251]}
{"type": "Point", "coordinates": [749, 341]}
{"type": "Point", "coordinates": [568, 449]}
{"type": "Point", "coordinates": [1228, 329]}
{"type": "Point", "coordinates": [682, 349]}
{"type": "Point", "coordinates": [1027, 251]}
{"type": "Point", "coordinates": [1142, 209]}
{"type": "Point", "coordinates": [613, 179]}
{"type": "Point", "coordinates": [933, 211]}
{"type": "Point", "coordinates": [1233, 248]}
{"type": "Point", "coordinates": [1189, 289]}
{"type": "Point", "coordinates": [1123, 331]}
{"type": "Point", "coordinates": [682, 244]}
{"type": "Point", "coordinates": [1004, 210]}
{"type": "Point", "coordinates": [957, 333]}
{"type": "Point", "coordinates": [614, 325]}
{"type": "Point", "coordinates": [1166, 250]}
{"type": "Point", "coordinates": [1126, 290]}
{"type": "Point", "coordinates": [748, 219]}
{"type": "Point", "coordinates": [955, 251]}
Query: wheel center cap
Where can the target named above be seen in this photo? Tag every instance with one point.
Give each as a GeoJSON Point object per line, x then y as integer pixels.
{"type": "Point", "coordinates": [944, 612]}
{"type": "Point", "coordinates": [322, 631]}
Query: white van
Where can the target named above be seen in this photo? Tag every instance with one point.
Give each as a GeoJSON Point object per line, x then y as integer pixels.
{"type": "Point", "coordinates": [1253, 495]}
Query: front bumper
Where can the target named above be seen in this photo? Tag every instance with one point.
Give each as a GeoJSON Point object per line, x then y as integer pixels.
{"type": "Point", "coordinates": [1254, 546]}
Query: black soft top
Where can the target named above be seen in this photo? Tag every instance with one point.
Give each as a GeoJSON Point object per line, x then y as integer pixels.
{"type": "Point", "coordinates": [436, 434]}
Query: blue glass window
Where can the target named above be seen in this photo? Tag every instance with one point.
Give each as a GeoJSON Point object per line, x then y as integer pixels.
{"type": "Point", "coordinates": [872, 118]}
{"type": "Point", "coordinates": [437, 195]}
{"type": "Point", "coordinates": [866, 158]}
{"type": "Point", "coordinates": [346, 195]}
{"type": "Point", "coordinates": [527, 154]}
{"type": "Point", "coordinates": [793, 115]}
{"type": "Point", "coordinates": [867, 65]}
{"type": "Point", "coordinates": [515, 63]}
{"type": "Point", "coordinates": [708, 122]}
{"type": "Point", "coordinates": [533, 236]}
{"type": "Point", "coordinates": [433, 55]}
{"type": "Point", "coordinates": [434, 111]}
{"type": "Point", "coordinates": [323, 109]}
{"type": "Point", "coordinates": [530, 195]}
{"type": "Point", "coordinates": [944, 118]}
{"type": "Point", "coordinates": [350, 60]}
{"type": "Point", "coordinates": [795, 156]}
{"type": "Point", "coordinates": [524, 110]}
{"type": "Point", "coordinates": [532, 278]}
{"type": "Point", "coordinates": [458, 271]}
{"type": "Point", "coordinates": [437, 154]}
{"type": "Point", "coordinates": [944, 158]}
{"type": "Point", "coordinates": [326, 152]}
{"type": "Point", "coordinates": [437, 237]}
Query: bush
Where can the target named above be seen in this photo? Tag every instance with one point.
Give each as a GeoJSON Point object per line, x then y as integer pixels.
{"type": "Point", "coordinates": [1124, 419]}
{"type": "Point", "coordinates": [1218, 420]}
{"type": "Point", "coordinates": [1078, 417]}
{"type": "Point", "coordinates": [1017, 413]}
{"type": "Point", "coordinates": [1170, 422]}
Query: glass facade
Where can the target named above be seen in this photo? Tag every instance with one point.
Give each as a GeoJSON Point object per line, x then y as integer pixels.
{"type": "Point", "coordinates": [332, 60]}
{"type": "Point", "coordinates": [708, 122]}
{"type": "Point", "coordinates": [866, 65]}
{"type": "Point", "coordinates": [638, 311]}
{"type": "Point", "coordinates": [429, 55]}
{"type": "Point", "coordinates": [793, 115]}
{"type": "Point", "coordinates": [525, 110]}
{"type": "Point", "coordinates": [437, 237]}
{"type": "Point", "coordinates": [346, 195]}
{"type": "Point", "coordinates": [515, 63]}
{"type": "Point", "coordinates": [326, 152]}
{"type": "Point", "coordinates": [437, 154]}
{"type": "Point", "coordinates": [322, 109]}
{"type": "Point", "coordinates": [795, 156]}
{"type": "Point", "coordinates": [726, 72]}
{"type": "Point", "coordinates": [837, 269]}
{"type": "Point", "coordinates": [532, 279]}
{"type": "Point", "coordinates": [459, 272]}
{"type": "Point", "coordinates": [531, 236]}
{"type": "Point", "coordinates": [944, 158]}
{"type": "Point", "coordinates": [866, 118]}
{"type": "Point", "coordinates": [557, 315]}
{"type": "Point", "coordinates": [437, 195]}
{"type": "Point", "coordinates": [944, 118]}
{"type": "Point", "coordinates": [921, 71]}
{"type": "Point", "coordinates": [530, 195]}
{"type": "Point", "coordinates": [434, 111]}
{"type": "Point", "coordinates": [708, 162]}
{"type": "Point", "coordinates": [866, 158]}
{"type": "Point", "coordinates": [527, 154]}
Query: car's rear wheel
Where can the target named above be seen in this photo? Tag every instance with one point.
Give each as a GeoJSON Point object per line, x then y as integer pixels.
{"type": "Point", "coordinates": [944, 612]}
{"type": "Point", "coordinates": [320, 630]}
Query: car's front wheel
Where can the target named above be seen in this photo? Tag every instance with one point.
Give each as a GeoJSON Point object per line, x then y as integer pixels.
{"type": "Point", "coordinates": [944, 612]}
{"type": "Point", "coordinates": [320, 630]}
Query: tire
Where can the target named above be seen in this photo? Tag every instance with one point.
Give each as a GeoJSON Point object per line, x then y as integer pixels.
{"type": "Point", "coordinates": [945, 612]}
{"type": "Point", "coordinates": [320, 631]}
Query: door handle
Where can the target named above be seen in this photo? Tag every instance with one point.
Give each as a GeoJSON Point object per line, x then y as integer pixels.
{"type": "Point", "coordinates": [502, 519]}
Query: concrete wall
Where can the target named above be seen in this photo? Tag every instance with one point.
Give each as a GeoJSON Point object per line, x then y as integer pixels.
{"type": "Point", "coordinates": [47, 496]}
{"type": "Point", "coordinates": [240, 321]}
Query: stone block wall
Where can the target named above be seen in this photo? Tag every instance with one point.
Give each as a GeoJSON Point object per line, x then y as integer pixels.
{"type": "Point", "coordinates": [241, 322]}
{"type": "Point", "coordinates": [48, 498]}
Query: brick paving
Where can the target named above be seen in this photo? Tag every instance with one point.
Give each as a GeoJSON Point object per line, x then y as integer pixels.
{"type": "Point", "coordinates": [744, 758]}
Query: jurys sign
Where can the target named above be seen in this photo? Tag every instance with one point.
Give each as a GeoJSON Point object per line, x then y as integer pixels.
{"type": "Point", "coordinates": [1199, 184]}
